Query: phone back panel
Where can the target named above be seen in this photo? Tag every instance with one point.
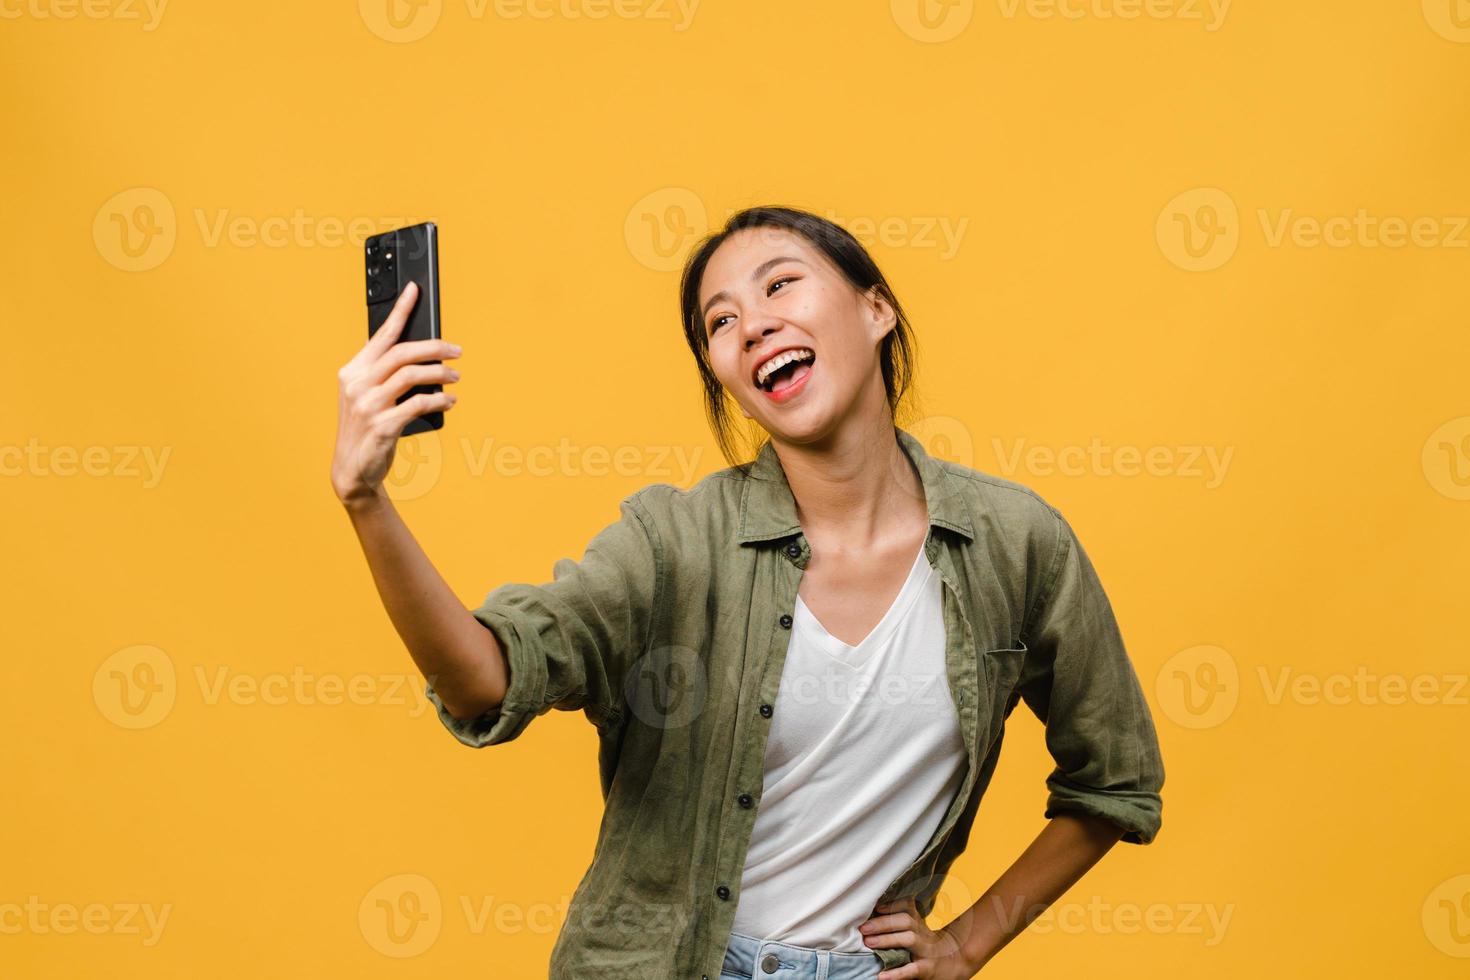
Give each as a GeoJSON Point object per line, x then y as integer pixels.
{"type": "Point", "coordinates": [392, 260]}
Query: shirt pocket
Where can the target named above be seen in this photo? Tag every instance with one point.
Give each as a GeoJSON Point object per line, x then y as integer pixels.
{"type": "Point", "coordinates": [1002, 672]}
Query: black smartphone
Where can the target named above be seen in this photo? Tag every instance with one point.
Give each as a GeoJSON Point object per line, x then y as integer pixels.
{"type": "Point", "coordinates": [392, 260]}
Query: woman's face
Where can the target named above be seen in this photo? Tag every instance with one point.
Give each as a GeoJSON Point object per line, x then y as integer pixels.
{"type": "Point", "coordinates": [766, 290]}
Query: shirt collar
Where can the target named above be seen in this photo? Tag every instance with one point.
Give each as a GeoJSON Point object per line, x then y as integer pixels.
{"type": "Point", "coordinates": [768, 509]}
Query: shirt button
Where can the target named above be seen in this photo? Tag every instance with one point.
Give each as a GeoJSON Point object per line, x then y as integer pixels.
{"type": "Point", "coordinates": [765, 711]}
{"type": "Point", "coordinates": [785, 621]}
{"type": "Point", "coordinates": [793, 549]}
{"type": "Point", "coordinates": [722, 891]}
{"type": "Point", "coordinates": [745, 800]}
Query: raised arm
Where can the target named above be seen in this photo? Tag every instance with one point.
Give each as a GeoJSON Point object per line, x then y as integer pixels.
{"type": "Point", "coordinates": [449, 646]}
{"type": "Point", "coordinates": [460, 658]}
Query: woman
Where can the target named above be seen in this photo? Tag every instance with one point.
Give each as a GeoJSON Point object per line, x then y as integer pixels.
{"type": "Point", "coordinates": [800, 668]}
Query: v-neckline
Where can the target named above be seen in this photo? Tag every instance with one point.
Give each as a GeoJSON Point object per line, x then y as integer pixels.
{"type": "Point", "coordinates": [855, 653]}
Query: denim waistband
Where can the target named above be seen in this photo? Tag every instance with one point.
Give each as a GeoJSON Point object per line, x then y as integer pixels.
{"type": "Point", "coordinates": [757, 959]}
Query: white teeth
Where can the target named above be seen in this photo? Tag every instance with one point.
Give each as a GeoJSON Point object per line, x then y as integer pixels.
{"type": "Point", "coordinates": [785, 357]}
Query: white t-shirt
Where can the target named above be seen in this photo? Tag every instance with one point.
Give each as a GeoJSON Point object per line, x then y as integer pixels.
{"type": "Point", "coordinates": [863, 758]}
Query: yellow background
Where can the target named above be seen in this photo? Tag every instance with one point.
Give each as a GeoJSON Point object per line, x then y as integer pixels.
{"type": "Point", "coordinates": [1067, 153]}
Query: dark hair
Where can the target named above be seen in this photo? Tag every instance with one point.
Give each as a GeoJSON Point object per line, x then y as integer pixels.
{"type": "Point", "coordinates": [850, 258]}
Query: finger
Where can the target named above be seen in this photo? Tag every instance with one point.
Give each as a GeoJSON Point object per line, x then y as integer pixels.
{"type": "Point", "coordinates": [409, 352]}
{"type": "Point", "coordinates": [889, 940]}
{"type": "Point", "coordinates": [385, 335]}
{"type": "Point", "coordinates": [405, 378]}
{"type": "Point", "coordinates": [886, 923]}
{"type": "Point", "coordinates": [420, 404]}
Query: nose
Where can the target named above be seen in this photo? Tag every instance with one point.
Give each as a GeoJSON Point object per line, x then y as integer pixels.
{"type": "Point", "coordinates": [758, 325]}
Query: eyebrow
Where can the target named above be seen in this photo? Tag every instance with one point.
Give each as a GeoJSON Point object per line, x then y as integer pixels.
{"type": "Point", "coordinates": [759, 271]}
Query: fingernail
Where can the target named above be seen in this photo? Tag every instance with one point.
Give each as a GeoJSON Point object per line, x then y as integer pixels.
{"type": "Point", "coordinates": [456, 348]}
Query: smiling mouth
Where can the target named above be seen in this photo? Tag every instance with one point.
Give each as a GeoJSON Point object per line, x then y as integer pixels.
{"type": "Point", "coordinates": [789, 373]}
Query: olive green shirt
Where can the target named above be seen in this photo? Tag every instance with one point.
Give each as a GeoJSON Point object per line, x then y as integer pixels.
{"type": "Point", "coordinates": [670, 636]}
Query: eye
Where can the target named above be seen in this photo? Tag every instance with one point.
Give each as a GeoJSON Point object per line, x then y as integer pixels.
{"type": "Point", "coordinates": [719, 320]}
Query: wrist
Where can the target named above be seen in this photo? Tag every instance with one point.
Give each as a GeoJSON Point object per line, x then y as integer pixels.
{"type": "Point", "coordinates": [364, 501]}
{"type": "Point", "coordinates": [967, 949]}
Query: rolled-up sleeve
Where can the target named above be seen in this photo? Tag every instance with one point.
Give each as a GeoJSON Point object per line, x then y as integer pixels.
{"type": "Point", "coordinates": [1078, 680]}
{"type": "Point", "coordinates": [571, 641]}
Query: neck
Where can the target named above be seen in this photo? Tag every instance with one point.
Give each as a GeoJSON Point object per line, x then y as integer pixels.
{"type": "Point", "coordinates": [858, 487]}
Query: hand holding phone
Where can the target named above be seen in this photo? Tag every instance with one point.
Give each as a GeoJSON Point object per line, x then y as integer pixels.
{"type": "Point", "coordinates": [392, 260]}
{"type": "Point", "coordinates": [382, 390]}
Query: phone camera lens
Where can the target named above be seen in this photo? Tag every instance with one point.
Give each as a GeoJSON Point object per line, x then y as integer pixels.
{"type": "Point", "coordinates": [375, 289]}
{"type": "Point", "coordinates": [372, 250]}
{"type": "Point", "coordinates": [375, 270]}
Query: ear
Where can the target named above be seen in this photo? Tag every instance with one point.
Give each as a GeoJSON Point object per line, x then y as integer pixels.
{"type": "Point", "coordinates": [882, 317]}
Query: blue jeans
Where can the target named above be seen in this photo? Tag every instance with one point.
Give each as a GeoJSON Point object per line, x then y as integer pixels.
{"type": "Point", "coordinates": [748, 958]}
